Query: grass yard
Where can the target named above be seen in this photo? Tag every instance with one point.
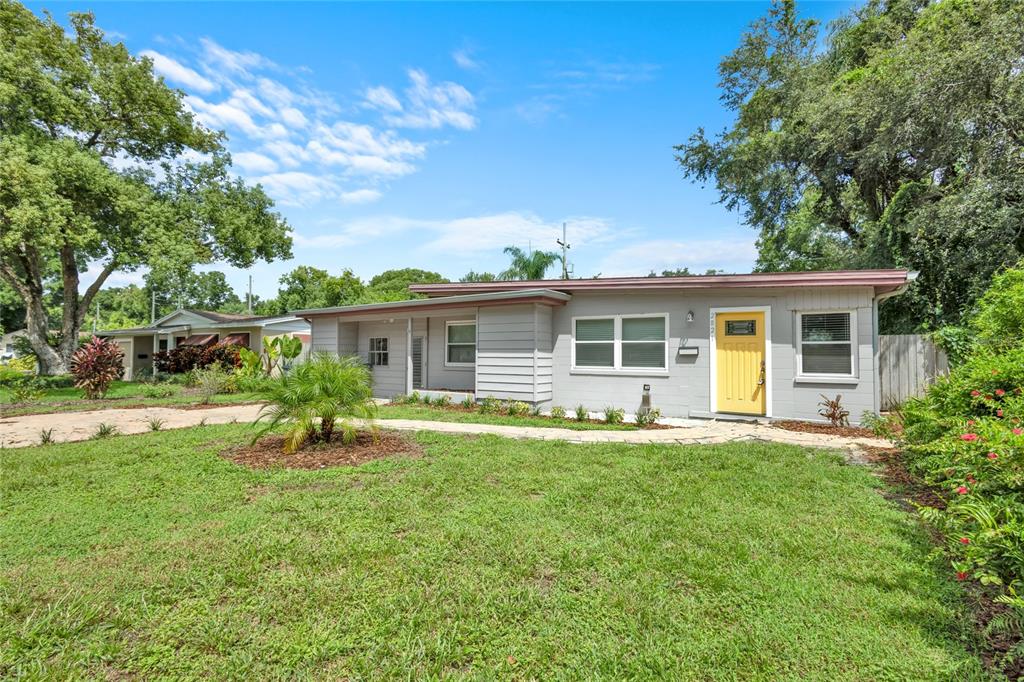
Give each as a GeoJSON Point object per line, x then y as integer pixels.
{"type": "Point", "coordinates": [438, 414]}
{"type": "Point", "coordinates": [153, 556]}
{"type": "Point", "coordinates": [121, 394]}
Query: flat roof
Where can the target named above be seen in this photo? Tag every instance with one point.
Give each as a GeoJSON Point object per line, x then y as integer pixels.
{"type": "Point", "coordinates": [882, 281]}
{"type": "Point", "coordinates": [543, 296]}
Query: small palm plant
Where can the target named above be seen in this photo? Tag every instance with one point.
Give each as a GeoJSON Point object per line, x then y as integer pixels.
{"type": "Point", "coordinates": [312, 400]}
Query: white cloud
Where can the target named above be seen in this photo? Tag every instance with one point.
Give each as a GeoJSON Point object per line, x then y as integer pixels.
{"type": "Point", "coordinates": [732, 255]}
{"type": "Point", "coordinates": [254, 162]}
{"type": "Point", "coordinates": [383, 98]}
{"type": "Point", "coordinates": [179, 73]}
{"type": "Point", "coordinates": [360, 196]}
{"type": "Point", "coordinates": [240, 63]}
{"type": "Point", "coordinates": [427, 105]}
{"type": "Point", "coordinates": [290, 134]}
{"type": "Point", "coordinates": [293, 117]}
{"type": "Point", "coordinates": [464, 60]}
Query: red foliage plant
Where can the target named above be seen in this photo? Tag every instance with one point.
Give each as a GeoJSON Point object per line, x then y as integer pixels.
{"type": "Point", "coordinates": [185, 358]}
{"type": "Point", "coordinates": [96, 365]}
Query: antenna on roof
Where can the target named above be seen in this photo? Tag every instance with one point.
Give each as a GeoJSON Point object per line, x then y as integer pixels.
{"type": "Point", "coordinates": [564, 243]}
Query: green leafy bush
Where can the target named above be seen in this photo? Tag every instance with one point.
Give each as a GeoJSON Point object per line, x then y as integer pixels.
{"type": "Point", "coordinates": [582, 414]}
{"type": "Point", "coordinates": [157, 390]}
{"type": "Point", "coordinates": [28, 390]}
{"type": "Point", "coordinates": [442, 400]}
{"type": "Point", "coordinates": [212, 381]}
{"type": "Point", "coordinates": [468, 404]}
{"type": "Point", "coordinates": [517, 408]}
{"type": "Point", "coordinates": [491, 406]}
{"type": "Point", "coordinates": [647, 418]}
{"type": "Point", "coordinates": [310, 401]}
{"type": "Point", "coordinates": [614, 415]}
{"type": "Point", "coordinates": [96, 365]}
{"type": "Point", "coordinates": [558, 412]}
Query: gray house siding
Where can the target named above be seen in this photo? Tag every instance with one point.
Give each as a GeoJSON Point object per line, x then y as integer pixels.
{"type": "Point", "coordinates": [437, 374]}
{"type": "Point", "coordinates": [388, 381]}
{"type": "Point", "coordinates": [506, 352]}
{"type": "Point", "coordinates": [685, 390]}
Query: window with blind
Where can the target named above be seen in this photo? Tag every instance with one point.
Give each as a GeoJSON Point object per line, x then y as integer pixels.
{"type": "Point", "coordinates": [827, 344]}
{"type": "Point", "coordinates": [621, 343]}
{"type": "Point", "coordinates": [460, 344]}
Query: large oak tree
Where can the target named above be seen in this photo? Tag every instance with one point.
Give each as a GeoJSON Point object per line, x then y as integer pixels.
{"type": "Point", "coordinates": [102, 166]}
{"type": "Point", "coordinates": [896, 140]}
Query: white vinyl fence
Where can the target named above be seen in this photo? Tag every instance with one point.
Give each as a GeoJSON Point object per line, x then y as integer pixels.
{"type": "Point", "coordinates": [907, 365]}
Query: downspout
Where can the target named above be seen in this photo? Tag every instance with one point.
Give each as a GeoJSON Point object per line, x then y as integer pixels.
{"type": "Point", "coordinates": [877, 393]}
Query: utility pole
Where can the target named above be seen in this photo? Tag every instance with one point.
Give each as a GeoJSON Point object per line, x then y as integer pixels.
{"type": "Point", "coordinates": [564, 243]}
{"type": "Point", "coordinates": [152, 307]}
{"type": "Point", "coordinates": [248, 297]}
{"type": "Point", "coordinates": [96, 320]}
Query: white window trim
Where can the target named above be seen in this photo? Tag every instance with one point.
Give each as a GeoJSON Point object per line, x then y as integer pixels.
{"type": "Point", "coordinates": [458, 323]}
{"type": "Point", "coordinates": [801, 376]}
{"type": "Point", "coordinates": [371, 351]}
{"type": "Point", "coordinates": [768, 393]}
{"type": "Point", "coordinates": [617, 368]}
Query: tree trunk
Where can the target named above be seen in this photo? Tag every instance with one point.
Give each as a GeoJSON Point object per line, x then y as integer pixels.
{"type": "Point", "coordinates": [36, 324]}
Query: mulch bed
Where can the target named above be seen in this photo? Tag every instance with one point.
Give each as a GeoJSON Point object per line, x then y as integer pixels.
{"type": "Point", "coordinates": [269, 452]}
{"type": "Point", "coordinates": [456, 407]}
{"type": "Point", "coordinates": [827, 429]}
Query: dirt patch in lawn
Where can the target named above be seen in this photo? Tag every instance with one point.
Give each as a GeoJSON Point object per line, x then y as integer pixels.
{"type": "Point", "coordinates": [268, 452]}
{"type": "Point", "coordinates": [827, 429]}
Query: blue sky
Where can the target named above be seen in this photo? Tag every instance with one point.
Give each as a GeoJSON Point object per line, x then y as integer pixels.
{"type": "Point", "coordinates": [433, 135]}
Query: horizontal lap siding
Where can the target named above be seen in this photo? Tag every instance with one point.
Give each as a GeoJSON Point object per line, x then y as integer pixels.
{"type": "Point", "coordinates": [438, 375]}
{"type": "Point", "coordinates": [387, 381]}
{"type": "Point", "coordinates": [324, 332]}
{"type": "Point", "coordinates": [506, 352]}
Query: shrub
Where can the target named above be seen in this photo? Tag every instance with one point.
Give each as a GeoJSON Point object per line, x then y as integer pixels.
{"type": "Point", "coordinates": [310, 401]}
{"type": "Point", "coordinates": [224, 354]}
{"type": "Point", "coordinates": [535, 411]}
{"type": "Point", "coordinates": [96, 365]}
{"type": "Point", "coordinates": [251, 384]}
{"type": "Point", "coordinates": [832, 410]}
{"type": "Point", "coordinates": [155, 423]}
{"type": "Point", "coordinates": [212, 381]}
{"type": "Point", "coordinates": [648, 417]}
{"type": "Point", "coordinates": [157, 390]}
{"type": "Point", "coordinates": [516, 408]}
{"type": "Point", "coordinates": [426, 400]}
{"type": "Point", "coordinates": [614, 415]}
{"type": "Point", "coordinates": [413, 397]}
{"type": "Point", "coordinates": [999, 321]}
{"type": "Point", "coordinates": [468, 404]}
{"type": "Point", "coordinates": [27, 390]}
{"type": "Point", "coordinates": [883, 426]}
{"type": "Point", "coordinates": [25, 364]}
{"type": "Point", "coordinates": [558, 412]}
{"type": "Point", "coordinates": [490, 405]}
{"type": "Point", "coordinates": [442, 401]}
{"type": "Point", "coordinates": [582, 414]}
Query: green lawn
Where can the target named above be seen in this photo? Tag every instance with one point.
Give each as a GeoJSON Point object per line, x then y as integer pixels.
{"type": "Point", "coordinates": [152, 556]}
{"type": "Point", "coordinates": [437, 414]}
{"type": "Point", "coordinates": [121, 394]}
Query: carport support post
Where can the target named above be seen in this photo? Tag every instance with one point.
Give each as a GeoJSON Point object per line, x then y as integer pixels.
{"type": "Point", "coordinates": [408, 356]}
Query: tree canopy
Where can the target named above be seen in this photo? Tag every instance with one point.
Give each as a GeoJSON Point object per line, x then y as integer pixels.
{"type": "Point", "coordinates": [528, 264]}
{"type": "Point", "coordinates": [899, 142]}
{"type": "Point", "coordinates": [103, 166]}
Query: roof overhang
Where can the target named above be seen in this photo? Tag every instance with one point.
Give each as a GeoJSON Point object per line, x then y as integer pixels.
{"type": "Point", "coordinates": [426, 305]}
{"type": "Point", "coordinates": [143, 331]}
{"type": "Point", "coordinates": [882, 281]}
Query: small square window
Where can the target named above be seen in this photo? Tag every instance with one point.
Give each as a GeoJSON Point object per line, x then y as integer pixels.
{"type": "Point", "coordinates": [378, 351]}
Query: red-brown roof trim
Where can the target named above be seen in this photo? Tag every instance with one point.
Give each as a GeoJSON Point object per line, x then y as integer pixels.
{"type": "Point", "coordinates": [883, 281]}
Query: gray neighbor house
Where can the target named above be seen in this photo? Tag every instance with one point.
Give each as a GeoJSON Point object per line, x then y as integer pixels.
{"type": "Point", "coordinates": [762, 345]}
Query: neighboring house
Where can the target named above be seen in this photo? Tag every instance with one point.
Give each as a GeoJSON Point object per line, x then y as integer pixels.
{"type": "Point", "coordinates": [7, 343]}
{"type": "Point", "coordinates": [761, 344]}
{"type": "Point", "coordinates": [198, 328]}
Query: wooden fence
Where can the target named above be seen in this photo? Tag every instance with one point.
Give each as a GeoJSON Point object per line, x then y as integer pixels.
{"type": "Point", "coordinates": [907, 364]}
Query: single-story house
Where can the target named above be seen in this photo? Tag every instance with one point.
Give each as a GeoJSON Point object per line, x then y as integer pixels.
{"type": "Point", "coordinates": [764, 344]}
{"type": "Point", "coordinates": [199, 328]}
{"type": "Point", "coordinates": [7, 343]}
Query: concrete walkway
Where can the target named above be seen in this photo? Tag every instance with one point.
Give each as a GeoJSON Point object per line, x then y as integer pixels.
{"type": "Point", "coordinates": [26, 430]}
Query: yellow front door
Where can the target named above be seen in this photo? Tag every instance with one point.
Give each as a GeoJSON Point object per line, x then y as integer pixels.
{"type": "Point", "coordinates": [739, 348]}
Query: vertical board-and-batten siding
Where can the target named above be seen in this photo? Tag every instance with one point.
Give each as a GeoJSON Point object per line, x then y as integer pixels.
{"type": "Point", "coordinates": [509, 351]}
{"type": "Point", "coordinates": [907, 365]}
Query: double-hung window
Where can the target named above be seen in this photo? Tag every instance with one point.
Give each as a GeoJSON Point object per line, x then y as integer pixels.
{"type": "Point", "coordinates": [827, 342]}
{"type": "Point", "coordinates": [378, 351]}
{"type": "Point", "coordinates": [621, 342]}
{"type": "Point", "coordinates": [460, 344]}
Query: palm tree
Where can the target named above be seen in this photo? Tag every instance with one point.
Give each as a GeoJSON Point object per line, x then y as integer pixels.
{"type": "Point", "coordinates": [311, 400]}
{"type": "Point", "coordinates": [529, 265]}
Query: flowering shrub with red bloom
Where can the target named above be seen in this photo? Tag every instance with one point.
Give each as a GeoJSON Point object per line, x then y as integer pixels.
{"type": "Point", "coordinates": [96, 365]}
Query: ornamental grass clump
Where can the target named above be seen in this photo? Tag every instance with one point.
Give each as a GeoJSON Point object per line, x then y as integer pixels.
{"type": "Point", "coordinates": [96, 365]}
{"type": "Point", "coordinates": [317, 398]}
